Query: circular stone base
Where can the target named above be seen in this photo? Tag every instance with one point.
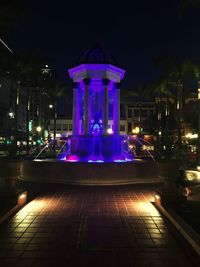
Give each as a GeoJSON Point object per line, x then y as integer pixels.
{"type": "Point", "coordinates": [83, 173]}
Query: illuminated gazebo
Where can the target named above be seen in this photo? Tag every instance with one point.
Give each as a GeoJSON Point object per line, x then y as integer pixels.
{"type": "Point", "coordinates": [96, 102]}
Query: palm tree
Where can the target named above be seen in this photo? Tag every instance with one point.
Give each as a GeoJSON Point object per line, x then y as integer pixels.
{"type": "Point", "coordinates": [174, 73]}
{"type": "Point", "coordinates": [141, 92]}
{"type": "Point", "coordinates": [23, 71]}
{"type": "Point", "coordinates": [196, 71]}
{"type": "Point", "coordinates": [55, 88]}
{"type": "Point", "coordinates": [163, 97]}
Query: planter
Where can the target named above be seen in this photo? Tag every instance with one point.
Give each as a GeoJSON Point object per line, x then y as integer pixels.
{"type": "Point", "coordinates": [10, 171]}
{"type": "Point", "coordinates": [168, 170]}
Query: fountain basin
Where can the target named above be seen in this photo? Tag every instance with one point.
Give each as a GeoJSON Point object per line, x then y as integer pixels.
{"type": "Point", "coordinates": [105, 146]}
{"type": "Point", "coordinates": [85, 173]}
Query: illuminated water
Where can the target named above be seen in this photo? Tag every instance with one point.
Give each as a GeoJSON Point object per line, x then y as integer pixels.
{"type": "Point", "coordinates": [96, 152]}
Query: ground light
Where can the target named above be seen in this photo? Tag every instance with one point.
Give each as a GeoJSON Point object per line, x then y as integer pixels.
{"type": "Point", "coordinates": [136, 130]}
{"type": "Point", "coordinates": [39, 129]}
{"type": "Point", "coordinates": [22, 199]}
{"type": "Point", "coordinates": [157, 199]}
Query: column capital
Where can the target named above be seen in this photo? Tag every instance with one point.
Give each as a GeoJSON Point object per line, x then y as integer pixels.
{"type": "Point", "coordinates": [105, 81]}
{"type": "Point", "coordinates": [87, 81]}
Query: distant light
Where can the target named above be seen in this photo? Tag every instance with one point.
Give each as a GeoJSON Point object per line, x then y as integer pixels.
{"type": "Point", "coordinates": [159, 133]}
{"type": "Point", "coordinates": [136, 130]}
{"type": "Point", "coordinates": [39, 129]}
{"type": "Point", "coordinates": [22, 196]}
{"type": "Point", "coordinates": [11, 114]}
{"type": "Point", "coordinates": [30, 125]}
{"type": "Point", "coordinates": [178, 105]}
{"type": "Point", "coordinates": [50, 106]}
{"type": "Point", "coordinates": [46, 66]}
{"type": "Point", "coordinates": [191, 136]}
{"type": "Point", "coordinates": [110, 131]}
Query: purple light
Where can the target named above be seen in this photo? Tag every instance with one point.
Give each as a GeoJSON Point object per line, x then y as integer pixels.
{"type": "Point", "coordinates": [96, 114]}
{"type": "Point", "coordinates": [73, 158]}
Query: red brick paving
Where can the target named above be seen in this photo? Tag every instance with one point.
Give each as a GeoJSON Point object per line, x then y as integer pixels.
{"type": "Point", "coordinates": [91, 226]}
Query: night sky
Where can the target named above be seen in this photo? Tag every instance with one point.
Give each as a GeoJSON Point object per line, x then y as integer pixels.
{"type": "Point", "coordinates": [135, 32]}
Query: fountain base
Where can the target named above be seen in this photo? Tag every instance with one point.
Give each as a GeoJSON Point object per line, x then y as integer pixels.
{"type": "Point", "coordinates": [85, 173]}
{"type": "Point", "coordinates": [98, 147]}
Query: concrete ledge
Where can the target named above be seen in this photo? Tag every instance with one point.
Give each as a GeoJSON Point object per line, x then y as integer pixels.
{"type": "Point", "coordinates": [21, 199]}
{"type": "Point", "coordinates": [9, 213]}
{"type": "Point", "coordinates": [192, 237]}
{"type": "Point", "coordinates": [108, 173]}
{"type": "Point", "coordinates": [10, 168]}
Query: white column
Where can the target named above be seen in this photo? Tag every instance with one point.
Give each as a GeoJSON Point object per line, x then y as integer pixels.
{"type": "Point", "coordinates": [76, 109]}
{"type": "Point", "coordinates": [105, 105]}
{"type": "Point", "coordinates": [86, 106]}
{"type": "Point", "coordinates": [116, 109]}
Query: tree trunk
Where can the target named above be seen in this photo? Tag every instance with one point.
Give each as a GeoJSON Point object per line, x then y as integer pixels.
{"type": "Point", "coordinates": [54, 124]}
{"type": "Point", "coordinates": [198, 149]}
{"type": "Point", "coordinates": [140, 109]}
{"type": "Point", "coordinates": [16, 130]}
{"type": "Point", "coordinates": [138, 146]}
{"type": "Point", "coordinates": [179, 119]}
{"type": "Point", "coordinates": [167, 143]}
{"type": "Point", "coordinates": [27, 119]}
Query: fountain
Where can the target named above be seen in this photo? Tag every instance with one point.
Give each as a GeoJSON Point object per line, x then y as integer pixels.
{"type": "Point", "coordinates": [98, 153]}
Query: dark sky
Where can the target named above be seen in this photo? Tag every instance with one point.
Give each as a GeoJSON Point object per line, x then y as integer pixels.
{"type": "Point", "coordinates": [135, 32]}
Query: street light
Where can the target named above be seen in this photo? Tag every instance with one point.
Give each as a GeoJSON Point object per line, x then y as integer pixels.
{"type": "Point", "coordinates": [110, 131]}
{"type": "Point", "coordinates": [136, 130]}
{"type": "Point", "coordinates": [39, 139]}
{"type": "Point", "coordinates": [11, 114]}
{"type": "Point", "coordinates": [51, 106]}
{"type": "Point", "coordinates": [39, 129]}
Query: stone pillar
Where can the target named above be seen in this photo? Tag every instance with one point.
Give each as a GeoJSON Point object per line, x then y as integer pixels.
{"type": "Point", "coordinates": [105, 105]}
{"type": "Point", "coordinates": [116, 109]}
{"type": "Point", "coordinates": [86, 105]}
{"type": "Point", "coordinates": [76, 109]}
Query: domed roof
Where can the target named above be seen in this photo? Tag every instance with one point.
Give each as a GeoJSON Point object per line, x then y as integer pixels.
{"type": "Point", "coordinates": [96, 55]}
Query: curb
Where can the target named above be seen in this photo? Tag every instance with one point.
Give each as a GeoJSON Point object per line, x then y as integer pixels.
{"type": "Point", "coordinates": [21, 201]}
{"type": "Point", "coordinates": [188, 233]}
{"type": "Point", "coordinates": [9, 213]}
{"type": "Point", "coordinates": [98, 183]}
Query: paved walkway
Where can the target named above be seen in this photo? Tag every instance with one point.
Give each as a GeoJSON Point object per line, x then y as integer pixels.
{"type": "Point", "coordinates": [90, 226]}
